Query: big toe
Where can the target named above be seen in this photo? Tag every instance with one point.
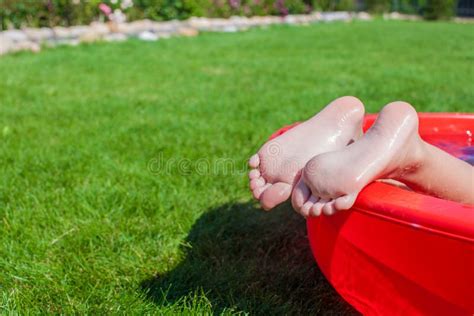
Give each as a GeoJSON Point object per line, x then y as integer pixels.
{"type": "Point", "coordinates": [300, 195]}
{"type": "Point", "coordinates": [345, 202]}
{"type": "Point", "coordinates": [276, 194]}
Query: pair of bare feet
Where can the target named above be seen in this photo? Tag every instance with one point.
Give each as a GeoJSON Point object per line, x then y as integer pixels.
{"type": "Point", "coordinates": [324, 162]}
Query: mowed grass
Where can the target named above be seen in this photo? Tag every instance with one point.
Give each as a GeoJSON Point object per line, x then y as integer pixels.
{"type": "Point", "coordinates": [123, 186]}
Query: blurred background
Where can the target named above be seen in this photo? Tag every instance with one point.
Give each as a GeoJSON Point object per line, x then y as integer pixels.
{"type": "Point", "coordinates": [49, 13]}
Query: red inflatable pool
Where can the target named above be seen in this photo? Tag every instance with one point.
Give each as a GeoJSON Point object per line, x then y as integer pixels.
{"type": "Point", "coordinates": [398, 252]}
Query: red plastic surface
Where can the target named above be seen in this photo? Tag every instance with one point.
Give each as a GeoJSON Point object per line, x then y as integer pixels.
{"type": "Point", "coordinates": [398, 252]}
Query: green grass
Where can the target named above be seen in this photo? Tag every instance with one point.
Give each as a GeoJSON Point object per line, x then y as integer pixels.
{"type": "Point", "coordinates": [88, 224]}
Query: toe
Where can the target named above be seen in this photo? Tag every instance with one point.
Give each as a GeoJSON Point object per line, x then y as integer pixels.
{"type": "Point", "coordinates": [345, 202]}
{"type": "Point", "coordinates": [306, 208]}
{"type": "Point", "coordinates": [316, 209]}
{"type": "Point", "coordinates": [255, 183]}
{"type": "Point", "coordinates": [300, 195]}
{"type": "Point", "coordinates": [276, 194]}
{"type": "Point", "coordinates": [254, 161]}
{"type": "Point", "coordinates": [258, 191]}
{"type": "Point", "coordinates": [328, 208]}
{"type": "Point", "coordinates": [254, 174]}
{"type": "Point", "coordinates": [318, 206]}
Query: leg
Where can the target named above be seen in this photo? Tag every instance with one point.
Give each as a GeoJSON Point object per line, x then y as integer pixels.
{"type": "Point", "coordinates": [391, 149]}
{"type": "Point", "coordinates": [441, 175]}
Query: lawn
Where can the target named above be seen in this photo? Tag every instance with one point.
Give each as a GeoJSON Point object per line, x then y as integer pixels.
{"type": "Point", "coordinates": [123, 185]}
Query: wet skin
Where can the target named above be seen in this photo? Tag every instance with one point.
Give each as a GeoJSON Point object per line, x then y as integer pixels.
{"type": "Point", "coordinates": [276, 167]}
{"type": "Point", "coordinates": [391, 149]}
{"type": "Point", "coordinates": [324, 162]}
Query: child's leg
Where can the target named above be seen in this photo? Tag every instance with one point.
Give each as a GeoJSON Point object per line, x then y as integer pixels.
{"type": "Point", "coordinates": [391, 149]}
{"type": "Point", "coordinates": [442, 175]}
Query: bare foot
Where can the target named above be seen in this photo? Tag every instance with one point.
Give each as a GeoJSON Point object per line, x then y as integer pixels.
{"type": "Point", "coordinates": [390, 149]}
{"type": "Point", "coordinates": [278, 163]}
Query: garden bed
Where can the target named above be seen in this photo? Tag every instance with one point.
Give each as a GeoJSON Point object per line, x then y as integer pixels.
{"type": "Point", "coordinates": [34, 38]}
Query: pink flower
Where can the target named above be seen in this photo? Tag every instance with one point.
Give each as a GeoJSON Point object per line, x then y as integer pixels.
{"type": "Point", "coordinates": [234, 4]}
{"type": "Point", "coordinates": [105, 9]}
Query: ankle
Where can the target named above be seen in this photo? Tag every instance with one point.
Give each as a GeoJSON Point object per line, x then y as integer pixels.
{"type": "Point", "coordinates": [415, 160]}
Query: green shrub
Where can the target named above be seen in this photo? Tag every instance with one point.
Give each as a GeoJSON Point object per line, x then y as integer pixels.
{"type": "Point", "coordinates": [334, 5]}
{"type": "Point", "coordinates": [378, 6]}
{"type": "Point", "coordinates": [259, 7]}
{"type": "Point", "coordinates": [297, 6]}
{"type": "Point", "coordinates": [197, 7]}
{"type": "Point", "coordinates": [439, 9]}
{"type": "Point", "coordinates": [226, 8]}
{"type": "Point", "coordinates": [345, 5]}
{"type": "Point", "coordinates": [409, 6]}
{"type": "Point", "coordinates": [19, 13]}
{"type": "Point", "coordinates": [158, 10]}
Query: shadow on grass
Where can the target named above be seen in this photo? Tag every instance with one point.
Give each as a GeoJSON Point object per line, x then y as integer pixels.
{"type": "Point", "coordinates": [248, 260]}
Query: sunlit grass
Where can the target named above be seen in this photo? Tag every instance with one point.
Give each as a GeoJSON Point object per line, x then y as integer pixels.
{"type": "Point", "coordinates": [87, 227]}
